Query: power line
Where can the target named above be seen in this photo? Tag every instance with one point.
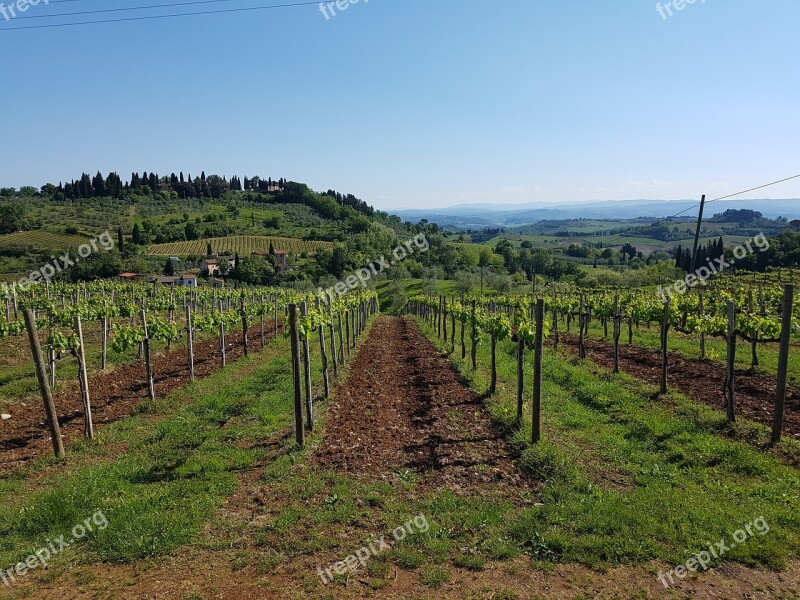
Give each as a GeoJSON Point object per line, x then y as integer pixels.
{"type": "Point", "coordinates": [760, 187]}
{"type": "Point", "coordinates": [170, 16]}
{"type": "Point", "coordinates": [112, 10]}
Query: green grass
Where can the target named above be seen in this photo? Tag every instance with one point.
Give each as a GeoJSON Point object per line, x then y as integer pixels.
{"type": "Point", "coordinates": [632, 480]}
{"type": "Point", "coordinates": [172, 476]}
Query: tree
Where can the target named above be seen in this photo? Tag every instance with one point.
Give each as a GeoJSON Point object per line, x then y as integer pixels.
{"type": "Point", "coordinates": [208, 250]}
{"type": "Point", "coordinates": [338, 262]}
{"type": "Point", "coordinates": [464, 282]}
{"type": "Point", "coordinates": [500, 282]}
{"type": "Point", "coordinates": [430, 286]}
{"type": "Point", "coordinates": [169, 267]}
{"type": "Point", "coordinates": [12, 217]}
{"type": "Point", "coordinates": [484, 259]}
{"type": "Point", "coordinates": [254, 270]}
{"type": "Point", "coordinates": [628, 250]}
{"type": "Point", "coordinates": [136, 236]}
{"type": "Point", "coordinates": [120, 239]}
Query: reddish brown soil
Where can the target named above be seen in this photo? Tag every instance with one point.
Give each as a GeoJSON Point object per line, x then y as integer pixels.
{"type": "Point", "coordinates": [700, 380]}
{"type": "Point", "coordinates": [114, 395]}
{"type": "Point", "coordinates": [405, 407]}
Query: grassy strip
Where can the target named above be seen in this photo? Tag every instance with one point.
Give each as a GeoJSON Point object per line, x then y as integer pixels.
{"type": "Point", "coordinates": [629, 480]}
{"type": "Point", "coordinates": [174, 472]}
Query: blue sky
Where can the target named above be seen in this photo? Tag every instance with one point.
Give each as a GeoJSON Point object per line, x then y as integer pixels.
{"type": "Point", "coordinates": [416, 103]}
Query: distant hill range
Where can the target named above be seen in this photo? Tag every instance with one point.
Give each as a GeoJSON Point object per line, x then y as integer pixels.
{"type": "Point", "coordinates": [479, 216]}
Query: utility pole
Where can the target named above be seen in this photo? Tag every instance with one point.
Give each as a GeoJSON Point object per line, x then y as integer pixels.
{"type": "Point", "coordinates": [697, 234]}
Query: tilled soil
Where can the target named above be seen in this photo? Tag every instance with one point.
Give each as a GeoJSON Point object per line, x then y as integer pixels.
{"type": "Point", "coordinates": [404, 407]}
{"type": "Point", "coordinates": [114, 395]}
{"type": "Point", "coordinates": [700, 380]}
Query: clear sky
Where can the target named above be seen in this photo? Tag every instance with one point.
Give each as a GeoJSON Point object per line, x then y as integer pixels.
{"type": "Point", "coordinates": [415, 103]}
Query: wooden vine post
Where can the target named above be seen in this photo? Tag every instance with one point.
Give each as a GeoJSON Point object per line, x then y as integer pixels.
{"type": "Point", "coordinates": [702, 333]}
{"type": "Point", "coordinates": [729, 373]}
{"type": "Point", "coordinates": [664, 340]}
{"type": "Point", "coordinates": [148, 358]}
{"type": "Point", "coordinates": [347, 331]}
{"type": "Point", "coordinates": [44, 387]}
{"type": "Point", "coordinates": [452, 331]}
{"type": "Point", "coordinates": [343, 350]}
{"type": "Point", "coordinates": [245, 327]}
{"type": "Point", "coordinates": [332, 331]}
{"type": "Point", "coordinates": [104, 322]}
{"type": "Point", "coordinates": [555, 327]}
{"type": "Point", "coordinates": [263, 332]}
{"type": "Point", "coordinates": [538, 348]}
{"type": "Point", "coordinates": [520, 375]}
{"type": "Point", "coordinates": [753, 343]}
{"type": "Point", "coordinates": [275, 297]}
{"type": "Point", "coordinates": [617, 331]}
{"type": "Point", "coordinates": [324, 357]}
{"type": "Point", "coordinates": [307, 371]}
{"type": "Point", "coordinates": [51, 359]}
{"type": "Point", "coordinates": [493, 379]}
{"type": "Point", "coordinates": [473, 348]}
{"type": "Point", "coordinates": [463, 332]}
{"type": "Point", "coordinates": [299, 430]}
{"type": "Point", "coordinates": [783, 363]}
{"type": "Point", "coordinates": [190, 340]}
{"type": "Point", "coordinates": [83, 377]}
{"type": "Point", "coordinates": [354, 321]}
{"type": "Point", "coordinates": [630, 331]}
{"type": "Point", "coordinates": [222, 344]}
{"type": "Point", "coordinates": [581, 334]}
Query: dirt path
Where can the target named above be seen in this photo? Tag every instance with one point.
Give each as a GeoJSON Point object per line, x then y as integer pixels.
{"type": "Point", "coordinates": [700, 380]}
{"type": "Point", "coordinates": [405, 407]}
{"type": "Point", "coordinates": [114, 395]}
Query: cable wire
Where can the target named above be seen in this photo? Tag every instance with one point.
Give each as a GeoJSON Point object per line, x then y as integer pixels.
{"type": "Point", "coordinates": [760, 187]}
{"type": "Point", "coordinates": [112, 10]}
{"type": "Point", "coordinates": [173, 15]}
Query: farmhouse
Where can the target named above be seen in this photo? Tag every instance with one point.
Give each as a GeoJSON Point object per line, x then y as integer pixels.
{"type": "Point", "coordinates": [209, 266]}
{"type": "Point", "coordinates": [189, 281]}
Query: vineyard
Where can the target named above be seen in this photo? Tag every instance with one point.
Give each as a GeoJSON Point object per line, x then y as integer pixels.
{"type": "Point", "coordinates": [241, 244]}
{"type": "Point", "coordinates": [728, 309]}
{"type": "Point", "coordinates": [40, 240]}
{"type": "Point", "coordinates": [262, 433]}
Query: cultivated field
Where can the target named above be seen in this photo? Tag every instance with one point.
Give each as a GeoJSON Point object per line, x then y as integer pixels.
{"type": "Point", "coordinates": [243, 244]}
{"type": "Point", "coordinates": [421, 430]}
{"type": "Point", "coordinates": [40, 240]}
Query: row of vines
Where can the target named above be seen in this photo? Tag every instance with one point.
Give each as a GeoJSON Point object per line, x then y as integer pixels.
{"type": "Point", "coordinates": [133, 316]}
{"type": "Point", "coordinates": [731, 309]}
